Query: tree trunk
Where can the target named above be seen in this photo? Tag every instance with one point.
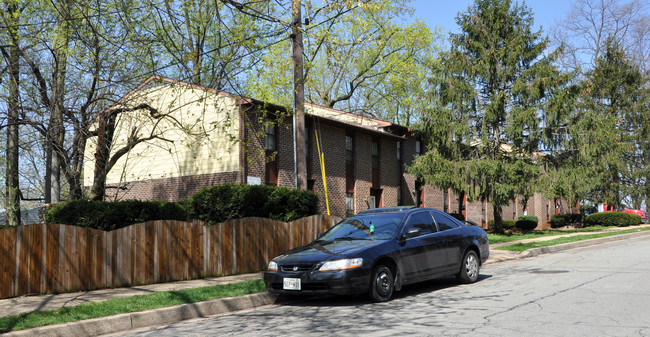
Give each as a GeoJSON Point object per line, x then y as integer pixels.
{"type": "Point", "coordinates": [498, 220]}
{"type": "Point", "coordinates": [299, 96]}
{"type": "Point", "coordinates": [13, 105]}
{"type": "Point", "coordinates": [105, 131]}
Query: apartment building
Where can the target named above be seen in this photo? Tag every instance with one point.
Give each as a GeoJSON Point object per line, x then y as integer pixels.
{"type": "Point", "coordinates": [199, 137]}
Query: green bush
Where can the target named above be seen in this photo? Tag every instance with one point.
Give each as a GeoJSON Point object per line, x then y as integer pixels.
{"type": "Point", "coordinates": [113, 215]}
{"type": "Point", "coordinates": [220, 203]}
{"type": "Point", "coordinates": [526, 222]}
{"type": "Point", "coordinates": [563, 220]}
{"type": "Point", "coordinates": [507, 224]}
{"type": "Point", "coordinates": [619, 219]}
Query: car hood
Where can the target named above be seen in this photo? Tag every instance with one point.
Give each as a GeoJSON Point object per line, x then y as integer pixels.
{"type": "Point", "coordinates": [328, 250]}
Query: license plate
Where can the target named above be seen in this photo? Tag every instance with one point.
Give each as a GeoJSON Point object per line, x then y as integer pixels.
{"type": "Point", "coordinates": [291, 284]}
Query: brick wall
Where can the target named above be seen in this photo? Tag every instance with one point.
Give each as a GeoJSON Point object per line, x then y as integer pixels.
{"type": "Point", "coordinates": [332, 143]}
{"type": "Point", "coordinates": [170, 189]}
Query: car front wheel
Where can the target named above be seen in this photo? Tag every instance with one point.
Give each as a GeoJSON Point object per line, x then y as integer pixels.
{"type": "Point", "coordinates": [469, 269]}
{"type": "Point", "coordinates": [381, 286]}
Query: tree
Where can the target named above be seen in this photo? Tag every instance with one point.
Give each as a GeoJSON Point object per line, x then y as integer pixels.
{"type": "Point", "coordinates": [610, 131]}
{"type": "Point", "coordinates": [590, 23]}
{"type": "Point", "coordinates": [484, 129]}
{"type": "Point", "coordinates": [357, 58]}
{"type": "Point", "coordinates": [83, 65]}
{"type": "Point", "coordinates": [206, 42]}
{"type": "Point", "coordinates": [10, 16]}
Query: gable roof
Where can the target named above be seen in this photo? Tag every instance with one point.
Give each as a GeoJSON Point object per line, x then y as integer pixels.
{"type": "Point", "coordinates": [315, 111]}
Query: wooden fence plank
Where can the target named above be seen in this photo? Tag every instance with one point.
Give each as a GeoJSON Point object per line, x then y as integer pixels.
{"type": "Point", "coordinates": [149, 251]}
{"type": "Point", "coordinates": [36, 258]}
{"type": "Point", "coordinates": [197, 250]}
{"type": "Point", "coordinates": [227, 248]}
{"type": "Point", "coordinates": [8, 238]}
{"type": "Point", "coordinates": [52, 260]}
{"type": "Point", "coordinates": [140, 254]}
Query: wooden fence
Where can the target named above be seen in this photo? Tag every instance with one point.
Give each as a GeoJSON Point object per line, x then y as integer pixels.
{"type": "Point", "coordinates": [49, 258]}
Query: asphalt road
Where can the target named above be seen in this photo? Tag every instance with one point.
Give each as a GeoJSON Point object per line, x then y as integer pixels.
{"type": "Point", "coordinates": [600, 290]}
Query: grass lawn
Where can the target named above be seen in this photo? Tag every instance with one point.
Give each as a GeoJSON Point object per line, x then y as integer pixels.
{"type": "Point", "coordinates": [127, 305]}
{"type": "Point", "coordinates": [520, 247]}
{"type": "Point", "coordinates": [500, 238]}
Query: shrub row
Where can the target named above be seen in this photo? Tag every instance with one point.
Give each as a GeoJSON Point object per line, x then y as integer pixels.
{"type": "Point", "coordinates": [563, 220]}
{"type": "Point", "coordinates": [620, 219]}
{"type": "Point", "coordinates": [213, 205]}
{"type": "Point", "coordinates": [523, 223]}
{"type": "Point", "coordinates": [113, 215]}
{"type": "Point", "coordinates": [220, 203]}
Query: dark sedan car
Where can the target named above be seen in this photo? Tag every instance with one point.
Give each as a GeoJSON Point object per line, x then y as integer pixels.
{"type": "Point", "coordinates": [379, 252]}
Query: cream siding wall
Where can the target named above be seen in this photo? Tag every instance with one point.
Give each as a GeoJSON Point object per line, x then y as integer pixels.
{"type": "Point", "coordinates": [199, 136]}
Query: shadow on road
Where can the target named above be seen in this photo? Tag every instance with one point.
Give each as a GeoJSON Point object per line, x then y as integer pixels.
{"type": "Point", "coordinates": [407, 291]}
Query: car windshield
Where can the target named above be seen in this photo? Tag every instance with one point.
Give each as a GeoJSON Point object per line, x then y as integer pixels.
{"type": "Point", "coordinates": [365, 227]}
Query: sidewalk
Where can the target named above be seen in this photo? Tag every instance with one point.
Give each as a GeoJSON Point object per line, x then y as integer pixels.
{"type": "Point", "coordinates": [26, 304]}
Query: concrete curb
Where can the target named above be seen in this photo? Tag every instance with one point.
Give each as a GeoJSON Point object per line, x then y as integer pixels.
{"type": "Point", "coordinates": [123, 322]}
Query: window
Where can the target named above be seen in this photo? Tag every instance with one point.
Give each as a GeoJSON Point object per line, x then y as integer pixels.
{"type": "Point", "coordinates": [349, 204]}
{"type": "Point", "coordinates": [375, 154]}
{"type": "Point", "coordinates": [349, 150]}
{"type": "Point", "coordinates": [270, 140]}
{"type": "Point", "coordinates": [399, 150]}
{"type": "Point", "coordinates": [418, 147]}
{"type": "Point", "coordinates": [444, 222]}
{"type": "Point", "coordinates": [423, 221]}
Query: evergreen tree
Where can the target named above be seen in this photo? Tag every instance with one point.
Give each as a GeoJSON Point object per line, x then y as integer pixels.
{"type": "Point", "coordinates": [496, 93]}
{"type": "Point", "coordinates": [610, 130]}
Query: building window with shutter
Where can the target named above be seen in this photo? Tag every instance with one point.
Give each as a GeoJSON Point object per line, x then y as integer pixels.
{"type": "Point", "coordinates": [270, 140]}
{"type": "Point", "coordinates": [375, 154]}
{"type": "Point", "coordinates": [399, 150]}
{"type": "Point", "coordinates": [349, 150]}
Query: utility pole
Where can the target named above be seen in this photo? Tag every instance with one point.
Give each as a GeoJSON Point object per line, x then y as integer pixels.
{"type": "Point", "coordinates": [298, 95]}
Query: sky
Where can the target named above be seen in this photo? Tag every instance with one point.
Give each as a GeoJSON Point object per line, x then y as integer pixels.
{"type": "Point", "coordinates": [443, 12]}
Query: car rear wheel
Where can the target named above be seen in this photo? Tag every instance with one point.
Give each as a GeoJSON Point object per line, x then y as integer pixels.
{"type": "Point", "coordinates": [381, 284]}
{"type": "Point", "coordinates": [469, 269]}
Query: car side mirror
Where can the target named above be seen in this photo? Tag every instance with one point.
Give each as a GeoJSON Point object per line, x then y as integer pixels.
{"type": "Point", "coordinates": [413, 232]}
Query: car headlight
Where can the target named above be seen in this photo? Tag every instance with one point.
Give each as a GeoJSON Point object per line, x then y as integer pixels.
{"type": "Point", "coordinates": [341, 264]}
{"type": "Point", "coordinates": [273, 266]}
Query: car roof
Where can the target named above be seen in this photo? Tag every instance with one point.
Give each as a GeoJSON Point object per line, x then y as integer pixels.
{"type": "Point", "coordinates": [397, 209]}
{"type": "Point", "coordinates": [386, 209]}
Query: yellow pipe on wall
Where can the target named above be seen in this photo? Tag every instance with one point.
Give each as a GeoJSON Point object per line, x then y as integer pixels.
{"type": "Point", "coordinates": [321, 158]}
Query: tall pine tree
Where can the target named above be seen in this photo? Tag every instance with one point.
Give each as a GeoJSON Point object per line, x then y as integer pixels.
{"type": "Point", "coordinates": [488, 115]}
{"type": "Point", "coordinates": [610, 130]}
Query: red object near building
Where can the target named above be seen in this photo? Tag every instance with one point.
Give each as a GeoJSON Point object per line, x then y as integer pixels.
{"type": "Point", "coordinates": [643, 214]}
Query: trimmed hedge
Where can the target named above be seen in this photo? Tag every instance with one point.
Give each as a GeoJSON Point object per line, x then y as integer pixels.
{"type": "Point", "coordinates": [526, 222]}
{"type": "Point", "coordinates": [113, 215]}
{"type": "Point", "coordinates": [220, 203]}
{"type": "Point", "coordinates": [507, 224]}
{"type": "Point", "coordinates": [563, 220]}
{"type": "Point", "coordinates": [619, 219]}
